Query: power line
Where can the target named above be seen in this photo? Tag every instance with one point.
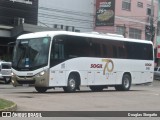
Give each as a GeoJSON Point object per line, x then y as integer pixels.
{"type": "Point", "coordinates": [127, 25]}
{"type": "Point", "coordinates": [44, 15]}
{"type": "Point", "coordinates": [67, 11]}
{"type": "Point", "coordinates": [56, 9]}
{"type": "Point", "coordinates": [56, 17]}
{"type": "Point", "coordinates": [69, 18]}
{"type": "Point", "coordinates": [63, 17]}
{"type": "Point", "coordinates": [66, 18]}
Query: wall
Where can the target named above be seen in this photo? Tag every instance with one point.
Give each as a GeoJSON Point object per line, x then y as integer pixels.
{"type": "Point", "coordinates": [135, 18]}
{"type": "Point", "coordinates": [77, 13]}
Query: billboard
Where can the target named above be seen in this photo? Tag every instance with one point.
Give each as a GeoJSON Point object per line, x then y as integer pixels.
{"type": "Point", "coordinates": [158, 51]}
{"type": "Point", "coordinates": [105, 12]}
{"type": "Point", "coordinates": [14, 11]}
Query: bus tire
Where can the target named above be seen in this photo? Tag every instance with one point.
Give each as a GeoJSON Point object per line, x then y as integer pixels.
{"type": "Point", "coordinates": [126, 83]}
{"type": "Point", "coordinates": [41, 89]}
{"type": "Point", "coordinates": [96, 88]}
{"type": "Point", "coordinates": [72, 84]}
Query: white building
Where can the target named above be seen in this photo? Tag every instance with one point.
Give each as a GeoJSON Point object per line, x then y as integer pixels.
{"type": "Point", "coordinates": [72, 15]}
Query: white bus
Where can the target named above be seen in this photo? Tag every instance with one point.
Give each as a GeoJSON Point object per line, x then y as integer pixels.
{"type": "Point", "coordinates": [69, 60]}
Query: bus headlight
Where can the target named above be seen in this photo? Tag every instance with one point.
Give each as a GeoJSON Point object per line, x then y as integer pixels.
{"type": "Point", "coordinates": [41, 73]}
{"type": "Point", "coordinates": [12, 74]}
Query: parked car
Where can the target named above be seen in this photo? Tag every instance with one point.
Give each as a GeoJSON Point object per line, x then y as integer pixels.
{"type": "Point", "coordinates": [157, 73]}
{"type": "Point", "coordinates": [5, 71]}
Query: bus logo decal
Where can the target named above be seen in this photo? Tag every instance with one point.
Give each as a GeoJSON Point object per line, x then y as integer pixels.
{"type": "Point", "coordinates": [96, 65]}
{"type": "Point", "coordinates": [107, 65]}
{"type": "Point", "coordinates": [148, 64]}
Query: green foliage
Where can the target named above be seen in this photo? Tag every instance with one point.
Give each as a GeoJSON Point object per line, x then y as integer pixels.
{"type": "Point", "coordinates": [5, 104]}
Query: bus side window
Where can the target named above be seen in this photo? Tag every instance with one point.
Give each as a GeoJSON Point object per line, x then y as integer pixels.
{"type": "Point", "coordinates": [105, 50]}
{"type": "Point", "coordinates": [122, 51]}
{"type": "Point", "coordinates": [57, 53]}
{"type": "Point", "coordinates": [77, 47]}
{"type": "Point", "coordinates": [150, 53]}
{"type": "Point", "coordinates": [96, 48]}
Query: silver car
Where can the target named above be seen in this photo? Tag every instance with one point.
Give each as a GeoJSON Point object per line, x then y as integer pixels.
{"type": "Point", "coordinates": [157, 73]}
{"type": "Point", "coordinates": [5, 71]}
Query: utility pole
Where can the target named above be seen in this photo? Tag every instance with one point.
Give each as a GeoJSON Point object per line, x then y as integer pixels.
{"type": "Point", "coordinates": [124, 32]}
{"type": "Point", "coordinates": [152, 21]}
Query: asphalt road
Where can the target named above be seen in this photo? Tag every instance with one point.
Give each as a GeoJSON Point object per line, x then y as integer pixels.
{"type": "Point", "coordinates": [139, 98]}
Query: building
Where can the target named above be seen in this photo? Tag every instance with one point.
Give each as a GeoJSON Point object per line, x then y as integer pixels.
{"type": "Point", "coordinates": [22, 16]}
{"type": "Point", "coordinates": [69, 15]}
{"type": "Point", "coordinates": [130, 18]}
{"type": "Point", "coordinates": [158, 36]}
{"type": "Point", "coordinates": [14, 13]}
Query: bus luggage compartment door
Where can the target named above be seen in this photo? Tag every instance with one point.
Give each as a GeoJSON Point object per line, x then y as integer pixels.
{"type": "Point", "coordinates": [57, 78]}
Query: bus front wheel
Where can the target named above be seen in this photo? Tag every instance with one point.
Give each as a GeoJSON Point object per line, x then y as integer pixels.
{"type": "Point", "coordinates": [41, 89]}
{"type": "Point", "coordinates": [72, 84]}
{"type": "Point", "coordinates": [126, 83]}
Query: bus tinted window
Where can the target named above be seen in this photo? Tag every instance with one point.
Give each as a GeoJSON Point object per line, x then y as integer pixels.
{"type": "Point", "coordinates": [139, 51]}
{"type": "Point", "coordinates": [95, 48]}
{"type": "Point", "coordinates": [76, 46]}
{"type": "Point", "coordinates": [113, 49]}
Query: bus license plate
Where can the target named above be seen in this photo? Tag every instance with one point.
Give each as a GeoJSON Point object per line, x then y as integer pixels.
{"type": "Point", "coordinates": [7, 78]}
{"type": "Point", "coordinates": [25, 85]}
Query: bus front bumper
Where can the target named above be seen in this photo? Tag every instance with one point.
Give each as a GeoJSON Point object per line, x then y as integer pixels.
{"type": "Point", "coordinates": [37, 80]}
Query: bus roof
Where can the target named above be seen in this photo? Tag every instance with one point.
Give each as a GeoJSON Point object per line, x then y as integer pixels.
{"type": "Point", "coordinates": [90, 35]}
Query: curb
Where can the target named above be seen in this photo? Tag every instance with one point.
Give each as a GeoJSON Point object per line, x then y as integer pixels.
{"type": "Point", "coordinates": [12, 108]}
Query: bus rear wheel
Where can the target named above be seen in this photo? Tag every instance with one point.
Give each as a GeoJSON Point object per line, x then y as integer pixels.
{"type": "Point", "coordinates": [96, 88]}
{"type": "Point", "coordinates": [72, 84]}
{"type": "Point", "coordinates": [41, 89]}
{"type": "Point", "coordinates": [126, 83]}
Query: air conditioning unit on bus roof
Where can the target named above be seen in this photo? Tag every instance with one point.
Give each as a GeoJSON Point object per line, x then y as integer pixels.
{"type": "Point", "coordinates": [114, 35]}
{"type": "Point", "coordinates": [107, 34]}
{"type": "Point", "coordinates": [93, 33]}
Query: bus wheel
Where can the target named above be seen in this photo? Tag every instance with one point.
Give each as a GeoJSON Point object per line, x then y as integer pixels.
{"type": "Point", "coordinates": [96, 88]}
{"type": "Point", "coordinates": [41, 89]}
{"type": "Point", "coordinates": [126, 83]}
{"type": "Point", "coordinates": [72, 84]}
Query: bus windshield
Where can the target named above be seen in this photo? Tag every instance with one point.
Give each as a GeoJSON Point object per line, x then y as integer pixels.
{"type": "Point", "coordinates": [30, 54]}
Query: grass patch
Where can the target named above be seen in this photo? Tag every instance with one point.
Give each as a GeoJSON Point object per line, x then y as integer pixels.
{"type": "Point", "coordinates": [5, 103]}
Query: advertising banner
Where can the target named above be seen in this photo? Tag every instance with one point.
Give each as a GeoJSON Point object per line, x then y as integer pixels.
{"type": "Point", "coordinates": [158, 51]}
{"type": "Point", "coordinates": [105, 12]}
